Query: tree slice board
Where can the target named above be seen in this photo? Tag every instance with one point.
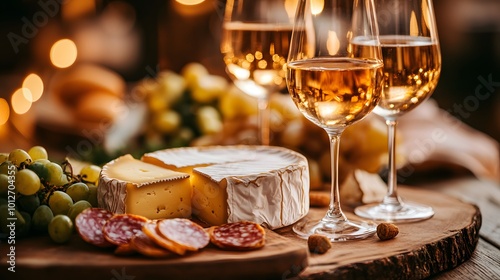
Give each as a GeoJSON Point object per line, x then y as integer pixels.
{"type": "Point", "coordinates": [40, 258]}
{"type": "Point", "coordinates": [421, 249]}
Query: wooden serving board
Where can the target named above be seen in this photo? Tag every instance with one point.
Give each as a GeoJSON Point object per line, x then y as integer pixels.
{"type": "Point", "coordinates": [39, 258]}
{"type": "Point", "coordinates": [420, 250]}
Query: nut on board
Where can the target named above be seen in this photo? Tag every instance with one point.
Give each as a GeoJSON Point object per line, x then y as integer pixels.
{"type": "Point", "coordinates": [386, 231]}
{"type": "Point", "coordinates": [318, 244]}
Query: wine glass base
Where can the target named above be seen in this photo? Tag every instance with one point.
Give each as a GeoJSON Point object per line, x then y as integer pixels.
{"type": "Point", "coordinates": [339, 231]}
{"type": "Point", "coordinates": [405, 212]}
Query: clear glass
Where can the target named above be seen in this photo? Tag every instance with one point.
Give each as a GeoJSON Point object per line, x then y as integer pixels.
{"type": "Point", "coordinates": [255, 43]}
{"type": "Point", "coordinates": [335, 85]}
{"type": "Point", "coordinates": [412, 65]}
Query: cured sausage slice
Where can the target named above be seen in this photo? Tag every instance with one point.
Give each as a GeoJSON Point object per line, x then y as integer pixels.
{"type": "Point", "coordinates": [238, 236]}
{"type": "Point", "coordinates": [144, 245]}
{"type": "Point", "coordinates": [89, 225]}
{"type": "Point", "coordinates": [120, 228]}
{"type": "Point", "coordinates": [125, 250]}
{"type": "Point", "coordinates": [150, 229]}
{"type": "Point", "coordinates": [184, 232]}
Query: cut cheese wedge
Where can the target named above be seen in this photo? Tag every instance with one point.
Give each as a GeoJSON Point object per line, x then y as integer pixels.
{"type": "Point", "coordinates": [264, 184]}
{"type": "Point", "coordinates": [128, 185]}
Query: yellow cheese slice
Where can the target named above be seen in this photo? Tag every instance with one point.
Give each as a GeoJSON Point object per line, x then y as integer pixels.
{"type": "Point", "coordinates": [128, 185]}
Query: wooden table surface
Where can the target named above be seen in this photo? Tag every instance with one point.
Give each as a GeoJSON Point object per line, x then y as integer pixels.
{"type": "Point", "coordinates": [485, 261]}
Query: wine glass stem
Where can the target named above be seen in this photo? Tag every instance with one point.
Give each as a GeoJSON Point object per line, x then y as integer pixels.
{"type": "Point", "coordinates": [334, 213]}
{"type": "Point", "coordinates": [263, 121]}
{"type": "Point", "coordinates": [392, 198]}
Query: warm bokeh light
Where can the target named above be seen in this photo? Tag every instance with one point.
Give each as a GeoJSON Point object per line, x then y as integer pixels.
{"type": "Point", "coordinates": [426, 14]}
{"type": "Point", "coordinates": [290, 7]}
{"type": "Point", "coordinates": [63, 53]}
{"type": "Point", "coordinates": [192, 8]}
{"type": "Point", "coordinates": [332, 43]}
{"type": "Point", "coordinates": [34, 84]}
{"type": "Point", "coordinates": [4, 111]}
{"type": "Point", "coordinates": [413, 24]}
{"type": "Point", "coordinates": [190, 2]}
{"type": "Point", "coordinates": [317, 6]}
{"type": "Point", "coordinates": [19, 102]}
{"type": "Point", "coordinates": [74, 10]}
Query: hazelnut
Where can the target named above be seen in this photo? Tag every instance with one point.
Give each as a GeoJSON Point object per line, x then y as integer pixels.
{"type": "Point", "coordinates": [318, 244]}
{"type": "Point", "coordinates": [386, 231]}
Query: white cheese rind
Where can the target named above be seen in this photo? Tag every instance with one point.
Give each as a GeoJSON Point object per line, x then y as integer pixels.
{"type": "Point", "coordinates": [265, 184]}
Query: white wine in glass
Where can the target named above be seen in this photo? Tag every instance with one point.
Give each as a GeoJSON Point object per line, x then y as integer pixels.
{"type": "Point", "coordinates": [255, 44]}
{"type": "Point", "coordinates": [334, 86]}
{"type": "Point", "coordinates": [412, 65]}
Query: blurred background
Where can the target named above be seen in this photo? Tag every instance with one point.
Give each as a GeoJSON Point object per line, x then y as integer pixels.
{"type": "Point", "coordinates": [129, 41]}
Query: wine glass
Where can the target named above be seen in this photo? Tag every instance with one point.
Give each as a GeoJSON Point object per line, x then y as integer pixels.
{"type": "Point", "coordinates": [255, 44]}
{"type": "Point", "coordinates": [412, 65]}
{"type": "Point", "coordinates": [334, 84]}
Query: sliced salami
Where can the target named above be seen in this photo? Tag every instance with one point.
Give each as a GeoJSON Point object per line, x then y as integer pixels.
{"type": "Point", "coordinates": [238, 236]}
{"type": "Point", "coordinates": [144, 245]}
{"type": "Point", "coordinates": [184, 232]}
{"type": "Point", "coordinates": [150, 229]}
{"type": "Point", "coordinates": [120, 228]}
{"type": "Point", "coordinates": [89, 224]}
{"type": "Point", "coordinates": [125, 250]}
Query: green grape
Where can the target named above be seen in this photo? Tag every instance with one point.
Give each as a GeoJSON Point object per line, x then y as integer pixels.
{"type": "Point", "coordinates": [167, 121]}
{"type": "Point", "coordinates": [5, 213]}
{"type": "Point", "coordinates": [4, 157]}
{"type": "Point", "coordinates": [4, 184]}
{"type": "Point", "coordinates": [29, 203]}
{"type": "Point", "coordinates": [40, 169]}
{"type": "Point", "coordinates": [92, 195]}
{"type": "Point", "coordinates": [62, 181]}
{"type": "Point", "coordinates": [78, 191]}
{"type": "Point", "coordinates": [60, 202]}
{"type": "Point", "coordinates": [77, 208]}
{"type": "Point", "coordinates": [42, 160]}
{"type": "Point", "coordinates": [23, 229]}
{"type": "Point", "coordinates": [54, 173]}
{"type": "Point", "coordinates": [27, 182]}
{"type": "Point", "coordinates": [5, 167]}
{"type": "Point", "coordinates": [41, 218]}
{"type": "Point", "coordinates": [90, 173]}
{"type": "Point", "coordinates": [18, 156]}
{"type": "Point", "coordinates": [60, 228]}
{"type": "Point", "coordinates": [209, 120]}
{"type": "Point", "coordinates": [38, 152]}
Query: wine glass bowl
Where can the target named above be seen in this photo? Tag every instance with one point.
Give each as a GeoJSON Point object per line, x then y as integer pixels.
{"type": "Point", "coordinates": [334, 85]}
{"type": "Point", "coordinates": [412, 65]}
{"type": "Point", "coordinates": [255, 44]}
{"type": "Point", "coordinates": [411, 72]}
{"type": "Point", "coordinates": [334, 99]}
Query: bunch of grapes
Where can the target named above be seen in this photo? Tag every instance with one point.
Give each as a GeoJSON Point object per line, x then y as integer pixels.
{"type": "Point", "coordinates": [181, 106]}
{"type": "Point", "coordinates": [43, 196]}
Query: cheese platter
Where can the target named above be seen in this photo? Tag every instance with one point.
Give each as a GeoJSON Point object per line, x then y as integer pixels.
{"type": "Point", "coordinates": [421, 249]}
